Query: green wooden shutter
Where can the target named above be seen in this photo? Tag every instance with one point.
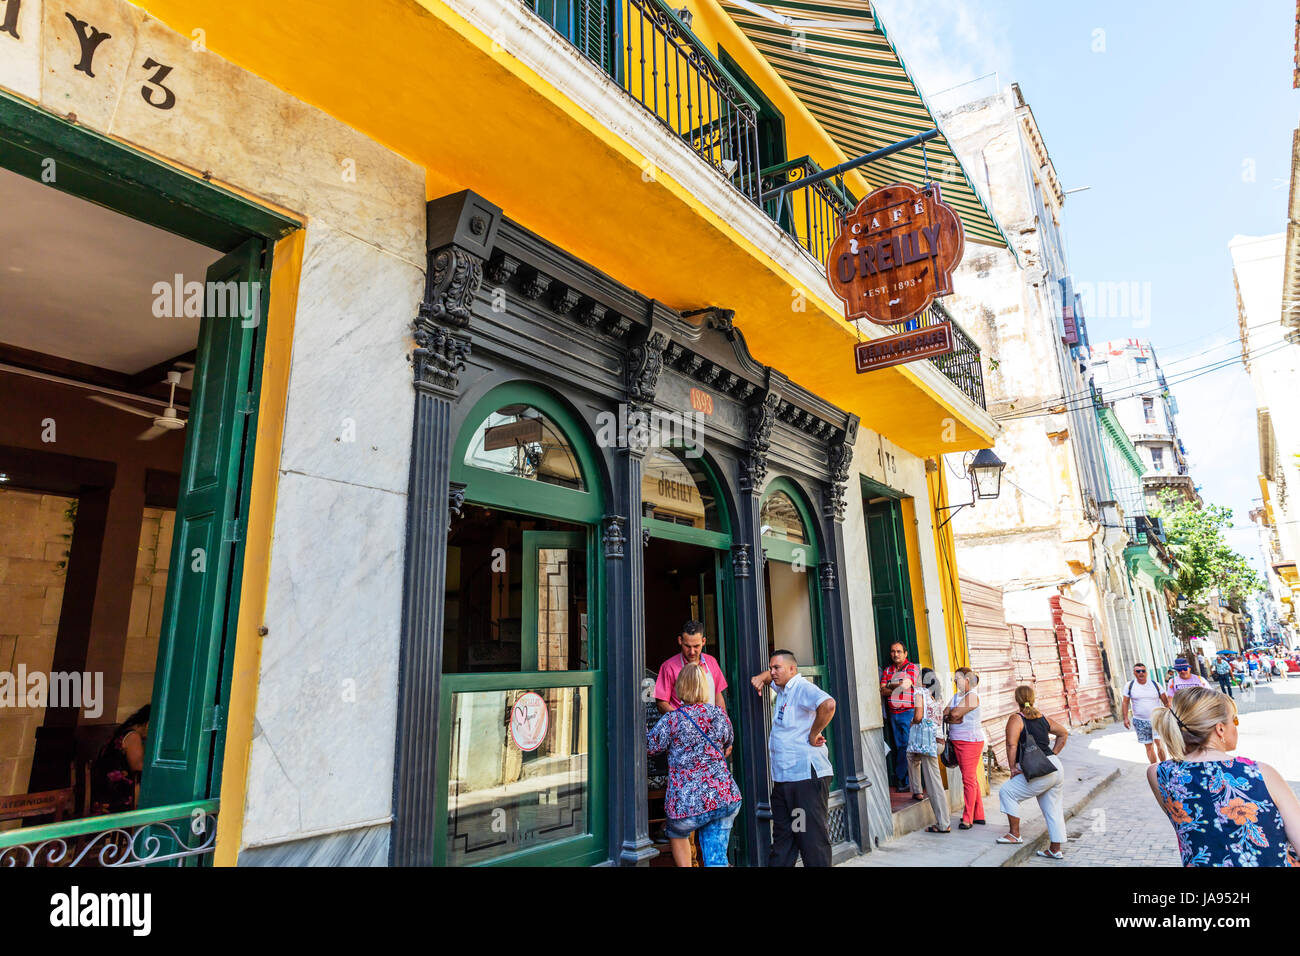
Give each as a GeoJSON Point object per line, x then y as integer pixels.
{"type": "Point", "coordinates": [595, 27]}
{"type": "Point", "coordinates": [186, 727]}
{"type": "Point", "coordinates": [890, 594]}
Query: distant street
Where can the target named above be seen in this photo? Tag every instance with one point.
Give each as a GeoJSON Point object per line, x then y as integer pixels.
{"type": "Point", "coordinates": [1124, 826]}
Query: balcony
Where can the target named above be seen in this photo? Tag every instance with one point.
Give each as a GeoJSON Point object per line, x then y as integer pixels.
{"type": "Point", "coordinates": [810, 214]}
{"type": "Point", "coordinates": [1143, 529]}
{"type": "Point", "coordinates": [656, 60]}
{"type": "Point", "coordinates": [649, 52]}
{"type": "Point", "coordinates": [961, 366]}
{"type": "Point", "coordinates": [182, 834]}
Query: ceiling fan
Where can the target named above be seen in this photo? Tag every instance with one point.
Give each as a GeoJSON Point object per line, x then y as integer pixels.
{"type": "Point", "coordinates": [168, 421]}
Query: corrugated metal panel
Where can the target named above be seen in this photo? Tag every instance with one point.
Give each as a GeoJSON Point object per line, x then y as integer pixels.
{"type": "Point", "coordinates": [1090, 699]}
{"type": "Point", "coordinates": [1049, 681]}
{"type": "Point", "coordinates": [999, 653]}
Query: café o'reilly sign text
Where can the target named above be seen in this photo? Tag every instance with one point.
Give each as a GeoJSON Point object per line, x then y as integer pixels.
{"type": "Point", "coordinates": [894, 255]}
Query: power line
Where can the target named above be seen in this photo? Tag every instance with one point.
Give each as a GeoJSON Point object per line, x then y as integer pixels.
{"type": "Point", "coordinates": [1084, 399]}
{"type": "Point", "coordinates": [1125, 383]}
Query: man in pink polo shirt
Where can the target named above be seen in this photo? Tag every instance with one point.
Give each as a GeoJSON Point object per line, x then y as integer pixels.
{"type": "Point", "coordinates": [691, 641]}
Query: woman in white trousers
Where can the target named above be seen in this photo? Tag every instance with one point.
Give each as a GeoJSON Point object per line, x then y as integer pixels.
{"type": "Point", "coordinates": [1047, 789]}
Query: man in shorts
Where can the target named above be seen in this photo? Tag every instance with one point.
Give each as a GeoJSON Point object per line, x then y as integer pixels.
{"type": "Point", "coordinates": [1143, 695]}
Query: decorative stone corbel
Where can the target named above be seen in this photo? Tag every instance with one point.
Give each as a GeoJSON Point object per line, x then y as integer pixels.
{"type": "Point", "coordinates": [642, 365]}
{"type": "Point", "coordinates": [460, 230]}
{"type": "Point", "coordinates": [614, 538]}
{"type": "Point", "coordinates": [455, 500]}
{"type": "Point", "coordinates": [741, 565]}
{"type": "Point", "coordinates": [760, 417]}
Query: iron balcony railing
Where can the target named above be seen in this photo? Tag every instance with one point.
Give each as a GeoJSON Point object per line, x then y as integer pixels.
{"type": "Point", "coordinates": [1144, 529]}
{"type": "Point", "coordinates": [647, 49]}
{"type": "Point", "coordinates": [961, 365]}
{"type": "Point", "coordinates": [810, 215]}
{"type": "Point", "coordinates": [655, 58]}
{"type": "Point", "coordinates": [179, 834]}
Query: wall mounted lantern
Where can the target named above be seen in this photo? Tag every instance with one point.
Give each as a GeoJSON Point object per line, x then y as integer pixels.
{"type": "Point", "coordinates": [985, 473]}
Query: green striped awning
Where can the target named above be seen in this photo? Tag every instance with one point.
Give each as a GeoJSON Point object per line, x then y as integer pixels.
{"type": "Point", "coordinates": [856, 85]}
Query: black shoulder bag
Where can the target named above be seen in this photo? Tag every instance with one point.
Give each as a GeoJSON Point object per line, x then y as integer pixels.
{"type": "Point", "coordinates": [1033, 762]}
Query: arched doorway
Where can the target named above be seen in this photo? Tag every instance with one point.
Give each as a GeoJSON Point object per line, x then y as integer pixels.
{"type": "Point", "coordinates": [522, 725]}
{"type": "Point", "coordinates": [686, 575]}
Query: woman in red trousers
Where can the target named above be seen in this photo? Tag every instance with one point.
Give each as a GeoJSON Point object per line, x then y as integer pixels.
{"type": "Point", "coordinates": [967, 735]}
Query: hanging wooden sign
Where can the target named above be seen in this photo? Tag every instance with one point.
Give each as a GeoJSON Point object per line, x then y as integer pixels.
{"type": "Point", "coordinates": [895, 253]}
{"type": "Point", "coordinates": [904, 347]}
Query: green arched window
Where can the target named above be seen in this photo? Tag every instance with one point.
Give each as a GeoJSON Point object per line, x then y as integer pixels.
{"type": "Point", "coordinates": [792, 586]}
{"type": "Point", "coordinates": [790, 575]}
{"type": "Point", "coordinates": [522, 724]}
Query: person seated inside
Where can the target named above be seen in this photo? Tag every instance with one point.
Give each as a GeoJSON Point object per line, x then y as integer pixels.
{"type": "Point", "coordinates": [115, 772]}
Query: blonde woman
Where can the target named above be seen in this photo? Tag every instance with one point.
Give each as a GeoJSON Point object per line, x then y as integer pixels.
{"type": "Point", "coordinates": [1028, 730]}
{"type": "Point", "coordinates": [702, 795]}
{"type": "Point", "coordinates": [963, 716]}
{"type": "Point", "coordinates": [1225, 810]}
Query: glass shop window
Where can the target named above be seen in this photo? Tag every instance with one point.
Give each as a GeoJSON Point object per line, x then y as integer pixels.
{"type": "Point", "coordinates": [677, 489]}
{"type": "Point", "coordinates": [789, 611]}
{"type": "Point", "coordinates": [519, 440]}
{"type": "Point", "coordinates": [519, 775]}
{"type": "Point", "coordinates": [516, 597]}
{"type": "Point", "coordinates": [779, 519]}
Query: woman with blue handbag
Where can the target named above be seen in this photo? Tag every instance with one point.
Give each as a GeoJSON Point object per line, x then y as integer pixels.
{"type": "Point", "coordinates": [702, 795]}
{"type": "Point", "coordinates": [923, 745]}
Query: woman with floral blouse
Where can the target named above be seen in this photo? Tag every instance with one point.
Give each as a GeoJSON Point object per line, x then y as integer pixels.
{"type": "Point", "coordinates": [702, 795]}
{"type": "Point", "coordinates": [1226, 811]}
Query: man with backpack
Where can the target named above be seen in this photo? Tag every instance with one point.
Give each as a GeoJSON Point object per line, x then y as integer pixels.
{"type": "Point", "coordinates": [1223, 674]}
{"type": "Point", "coordinates": [1143, 695]}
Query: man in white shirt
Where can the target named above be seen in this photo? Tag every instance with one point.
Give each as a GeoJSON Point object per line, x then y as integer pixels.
{"type": "Point", "coordinates": [1143, 695]}
{"type": "Point", "coordinates": [800, 763]}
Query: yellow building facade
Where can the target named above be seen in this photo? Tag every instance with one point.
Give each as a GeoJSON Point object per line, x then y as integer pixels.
{"type": "Point", "coordinates": [308, 152]}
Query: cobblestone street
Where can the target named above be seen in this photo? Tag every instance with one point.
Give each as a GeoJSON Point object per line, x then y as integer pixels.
{"type": "Point", "coordinates": [1123, 825]}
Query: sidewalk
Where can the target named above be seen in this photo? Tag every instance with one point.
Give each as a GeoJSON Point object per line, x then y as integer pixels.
{"type": "Point", "coordinates": [1087, 773]}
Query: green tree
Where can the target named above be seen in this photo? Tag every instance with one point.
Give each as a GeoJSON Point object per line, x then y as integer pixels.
{"type": "Point", "coordinates": [1206, 561]}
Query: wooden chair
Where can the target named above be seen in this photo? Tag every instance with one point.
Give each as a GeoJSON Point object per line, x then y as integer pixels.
{"type": "Point", "coordinates": [19, 806]}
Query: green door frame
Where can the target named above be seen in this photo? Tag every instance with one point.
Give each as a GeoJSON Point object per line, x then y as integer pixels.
{"type": "Point", "coordinates": [526, 497]}
{"type": "Point", "coordinates": [192, 686]}
{"type": "Point", "coordinates": [719, 542]}
{"type": "Point", "coordinates": [899, 559]}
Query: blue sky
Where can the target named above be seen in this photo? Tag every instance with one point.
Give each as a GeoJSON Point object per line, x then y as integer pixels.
{"type": "Point", "coordinates": [1179, 116]}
